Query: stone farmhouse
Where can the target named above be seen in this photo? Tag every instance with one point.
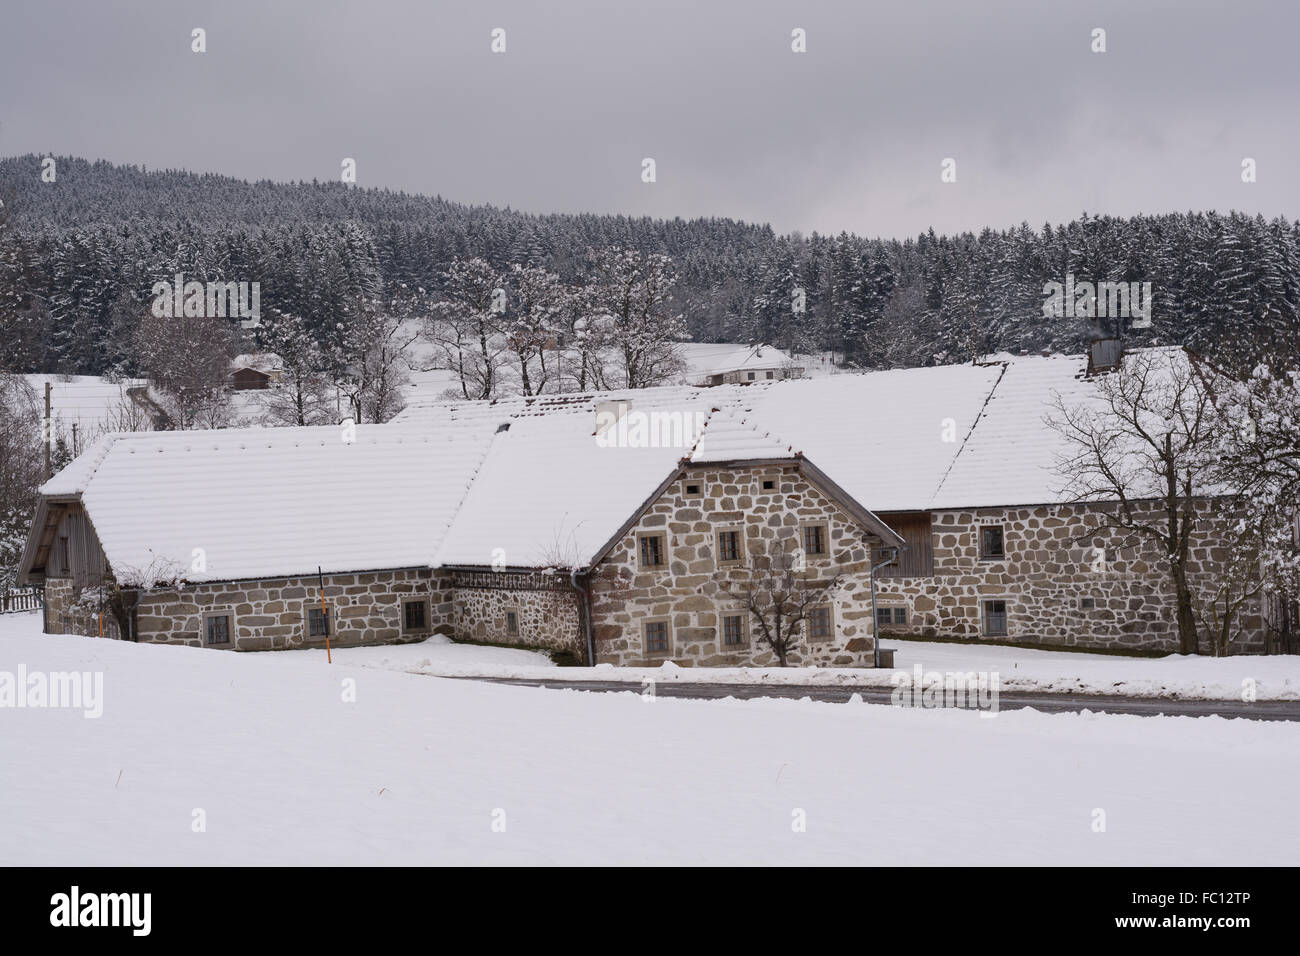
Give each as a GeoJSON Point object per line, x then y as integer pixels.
{"type": "Point", "coordinates": [624, 528]}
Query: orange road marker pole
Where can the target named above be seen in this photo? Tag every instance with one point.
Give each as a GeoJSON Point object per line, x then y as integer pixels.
{"type": "Point", "coordinates": [329, 659]}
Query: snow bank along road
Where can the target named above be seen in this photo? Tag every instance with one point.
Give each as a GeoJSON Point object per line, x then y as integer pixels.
{"type": "Point", "coordinates": [1050, 702]}
{"type": "Point", "coordinates": [215, 758]}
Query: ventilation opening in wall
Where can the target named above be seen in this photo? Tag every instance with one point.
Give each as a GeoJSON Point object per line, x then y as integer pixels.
{"type": "Point", "coordinates": [769, 484]}
{"type": "Point", "coordinates": [1087, 604]}
{"type": "Point", "coordinates": [694, 489]}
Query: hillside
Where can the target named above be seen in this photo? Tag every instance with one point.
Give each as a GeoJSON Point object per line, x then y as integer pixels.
{"type": "Point", "coordinates": [78, 257]}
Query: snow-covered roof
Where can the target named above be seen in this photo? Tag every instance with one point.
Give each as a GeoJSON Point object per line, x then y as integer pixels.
{"type": "Point", "coordinates": [264, 362]}
{"type": "Point", "coordinates": [547, 481]}
{"type": "Point", "coordinates": [704, 359]}
{"type": "Point", "coordinates": [263, 502]}
{"type": "Point", "coordinates": [552, 491]}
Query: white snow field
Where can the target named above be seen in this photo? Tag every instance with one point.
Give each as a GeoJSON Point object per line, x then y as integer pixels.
{"type": "Point", "coordinates": [418, 769]}
{"type": "Point", "coordinates": [1175, 676]}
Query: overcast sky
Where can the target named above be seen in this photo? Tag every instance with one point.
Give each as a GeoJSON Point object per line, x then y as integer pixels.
{"type": "Point", "coordinates": [849, 135]}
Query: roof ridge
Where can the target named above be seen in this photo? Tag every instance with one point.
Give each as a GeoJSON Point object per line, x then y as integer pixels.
{"type": "Point", "coordinates": [979, 416]}
{"type": "Point", "coordinates": [435, 559]}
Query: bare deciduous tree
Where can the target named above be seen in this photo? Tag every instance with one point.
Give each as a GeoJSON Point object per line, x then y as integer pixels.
{"type": "Point", "coordinates": [1145, 446]}
{"type": "Point", "coordinates": [187, 360]}
{"type": "Point", "coordinates": [22, 469]}
{"type": "Point", "coordinates": [780, 591]}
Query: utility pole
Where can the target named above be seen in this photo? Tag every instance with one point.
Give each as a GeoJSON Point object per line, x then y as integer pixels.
{"type": "Point", "coordinates": [49, 432]}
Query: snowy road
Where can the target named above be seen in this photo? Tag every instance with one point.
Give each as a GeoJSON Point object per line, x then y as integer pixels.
{"type": "Point", "coordinates": [1051, 703]}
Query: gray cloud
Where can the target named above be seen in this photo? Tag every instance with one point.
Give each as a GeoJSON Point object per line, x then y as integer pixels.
{"type": "Point", "coordinates": [846, 136]}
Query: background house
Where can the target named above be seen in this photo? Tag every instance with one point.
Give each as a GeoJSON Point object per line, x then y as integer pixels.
{"type": "Point", "coordinates": [738, 364]}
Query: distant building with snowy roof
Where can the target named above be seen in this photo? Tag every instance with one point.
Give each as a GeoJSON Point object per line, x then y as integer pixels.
{"type": "Point", "coordinates": [255, 371]}
{"type": "Point", "coordinates": [739, 365]}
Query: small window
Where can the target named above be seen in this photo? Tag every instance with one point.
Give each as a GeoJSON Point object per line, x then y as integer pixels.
{"type": "Point", "coordinates": [317, 622]}
{"type": "Point", "coordinates": [733, 630]}
{"type": "Point", "coordinates": [656, 637]}
{"type": "Point", "coordinates": [751, 376]}
{"type": "Point", "coordinates": [216, 629]}
{"type": "Point", "coordinates": [693, 489]}
{"type": "Point", "coordinates": [814, 539]}
{"type": "Point", "coordinates": [769, 374]}
{"type": "Point", "coordinates": [415, 615]}
{"type": "Point", "coordinates": [885, 616]}
{"type": "Point", "coordinates": [769, 484]}
{"type": "Point", "coordinates": [1087, 604]}
{"type": "Point", "coordinates": [512, 622]}
{"type": "Point", "coordinates": [730, 548]}
{"type": "Point", "coordinates": [995, 618]}
{"type": "Point", "coordinates": [651, 548]}
{"type": "Point", "coordinates": [819, 623]}
{"type": "Point", "coordinates": [991, 544]}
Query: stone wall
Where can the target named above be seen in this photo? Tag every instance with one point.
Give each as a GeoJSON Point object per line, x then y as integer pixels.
{"type": "Point", "coordinates": [695, 590]}
{"type": "Point", "coordinates": [546, 610]}
{"type": "Point", "coordinates": [1047, 574]}
{"type": "Point", "coordinates": [1046, 577]}
{"type": "Point", "coordinates": [63, 614]}
{"type": "Point", "coordinates": [365, 608]}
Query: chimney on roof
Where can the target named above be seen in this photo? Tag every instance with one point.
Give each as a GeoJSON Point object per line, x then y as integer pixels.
{"type": "Point", "coordinates": [1104, 355]}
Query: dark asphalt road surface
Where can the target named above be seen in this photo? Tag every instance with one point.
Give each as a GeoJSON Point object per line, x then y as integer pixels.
{"type": "Point", "coordinates": [1007, 700]}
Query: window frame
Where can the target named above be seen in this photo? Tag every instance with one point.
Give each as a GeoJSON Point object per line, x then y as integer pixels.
{"type": "Point", "coordinates": [313, 607]}
{"type": "Point", "coordinates": [893, 612]}
{"type": "Point", "coordinates": [741, 553]}
{"type": "Point", "coordinates": [984, 617]}
{"type": "Point", "coordinates": [229, 615]}
{"type": "Point", "coordinates": [686, 487]}
{"type": "Point", "coordinates": [830, 623]}
{"type": "Point", "coordinates": [427, 627]}
{"type": "Point", "coordinates": [1002, 541]}
{"type": "Point", "coordinates": [668, 637]}
{"type": "Point", "coordinates": [512, 618]}
{"type": "Point", "coordinates": [825, 528]}
{"type": "Point", "coordinates": [744, 631]}
{"type": "Point", "coordinates": [642, 536]}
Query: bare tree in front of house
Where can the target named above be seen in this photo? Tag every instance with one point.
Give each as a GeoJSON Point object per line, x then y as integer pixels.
{"type": "Point", "coordinates": [302, 396]}
{"type": "Point", "coordinates": [1259, 453]}
{"type": "Point", "coordinates": [532, 325]}
{"type": "Point", "coordinates": [465, 327]}
{"type": "Point", "coordinates": [1148, 437]}
{"type": "Point", "coordinates": [187, 360]}
{"type": "Point", "coordinates": [641, 328]}
{"type": "Point", "coordinates": [368, 358]}
{"type": "Point", "coordinates": [781, 591]}
{"type": "Point", "coordinates": [118, 594]}
{"type": "Point", "coordinates": [126, 414]}
{"type": "Point", "coordinates": [22, 469]}
{"type": "Point", "coordinates": [585, 347]}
